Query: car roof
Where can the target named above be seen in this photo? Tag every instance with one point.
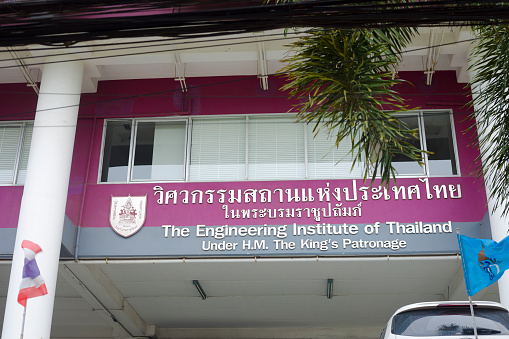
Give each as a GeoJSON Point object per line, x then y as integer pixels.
{"type": "Point", "coordinates": [433, 304]}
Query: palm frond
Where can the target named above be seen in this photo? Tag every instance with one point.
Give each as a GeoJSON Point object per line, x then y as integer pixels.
{"type": "Point", "coordinates": [490, 66]}
{"type": "Point", "coordinates": [344, 82]}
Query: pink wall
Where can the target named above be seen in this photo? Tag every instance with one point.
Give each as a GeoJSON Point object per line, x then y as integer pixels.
{"type": "Point", "coordinates": [10, 200]}
{"type": "Point", "coordinates": [468, 208]}
{"type": "Point", "coordinates": [18, 102]}
{"type": "Point", "coordinates": [231, 95]}
{"type": "Point", "coordinates": [205, 96]}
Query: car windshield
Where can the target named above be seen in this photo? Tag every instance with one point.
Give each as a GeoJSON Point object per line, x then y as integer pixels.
{"type": "Point", "coordinates": [450, 321]}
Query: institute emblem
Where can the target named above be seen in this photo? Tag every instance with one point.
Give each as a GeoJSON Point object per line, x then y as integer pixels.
{"type": "Point", "coordinates": [127, 214]}
{"type": "Point", "coordinates": [488, 265]}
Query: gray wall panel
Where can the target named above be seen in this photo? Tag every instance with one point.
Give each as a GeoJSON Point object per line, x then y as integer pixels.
{"type": "Point", "coordinates": [151, 242]}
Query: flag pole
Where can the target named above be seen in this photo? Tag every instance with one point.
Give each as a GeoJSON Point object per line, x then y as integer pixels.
{"type": "Point", "coordinates": [466, 283]}
{"type": "Point", "coordinates": [473, 317]}
{"type": "Point", "coordinates": [23, 324]}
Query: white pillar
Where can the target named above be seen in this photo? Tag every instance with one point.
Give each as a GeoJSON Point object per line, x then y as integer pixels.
{"type": "Point", "coordinates": [42, 209]}
{"type": "Point", "coordinates": [498, 223]}
{"type": "Point", "coordinates": [499, 228]}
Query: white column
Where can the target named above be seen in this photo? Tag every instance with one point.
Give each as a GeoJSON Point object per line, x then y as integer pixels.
{"type": "Point", "coordinates": [42, 209]}
{"type": "Point", "coordinates": [498, 223]}
{"type": "Point", "coordinates": [499, 228]}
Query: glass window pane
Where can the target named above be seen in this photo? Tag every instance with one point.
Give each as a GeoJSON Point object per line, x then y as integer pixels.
{"type": "Point", "coordinates": [218, 150]}
{"type": "Point", "coordinates": [9, 141]}
{"type": "Point", "coordinates": [402, 164]}
{"type": "Point", "coordinates": [116, 151]}
{"type": "Point", "coordinates": [325, 160]}
{"type": "Point", "coordinates": [439, 140]}
{"type": "Point", "coordinates": [160, 151]}
{"type": "Point", "coordinates": [451, 321]}
{"type": "Point", "coordinates": [25, 151]}
{"type": "Point", "coordinates": [276, 149]}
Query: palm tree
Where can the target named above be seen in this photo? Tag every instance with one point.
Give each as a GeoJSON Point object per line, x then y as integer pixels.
{"type": "Point", "coordinates": [344, 82]}
{"type": "Point", "coordinates": [490, 85]}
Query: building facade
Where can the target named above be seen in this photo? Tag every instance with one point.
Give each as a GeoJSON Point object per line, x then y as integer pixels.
{"type": "Point", "coordinates": [180, 199]}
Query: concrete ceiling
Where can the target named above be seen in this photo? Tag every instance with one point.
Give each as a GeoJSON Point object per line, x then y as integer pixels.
{"type": "Point", "coordinates": [250, 54]}
{"type": "Point", "coordinates": [246, 298]}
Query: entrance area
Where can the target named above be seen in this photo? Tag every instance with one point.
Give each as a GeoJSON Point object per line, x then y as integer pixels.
{"type": "Point", "coordinates": [245, 298]}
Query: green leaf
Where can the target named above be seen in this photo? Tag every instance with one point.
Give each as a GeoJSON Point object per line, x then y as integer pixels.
{"type": "Point", "coordinates": [490, 65]}
{"type": "Point", "coordinates": [344, 83]}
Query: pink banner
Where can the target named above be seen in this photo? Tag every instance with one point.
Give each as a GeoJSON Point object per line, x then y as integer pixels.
{"type": "Point", "coordinates": [458, 199]}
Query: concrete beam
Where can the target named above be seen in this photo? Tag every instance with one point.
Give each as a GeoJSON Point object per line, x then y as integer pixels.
{"type": "Point", "coordinates": [99, 291]}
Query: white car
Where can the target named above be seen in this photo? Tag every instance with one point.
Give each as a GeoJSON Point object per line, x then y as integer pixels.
{"type": "Point", "coordinates": [448, 319]}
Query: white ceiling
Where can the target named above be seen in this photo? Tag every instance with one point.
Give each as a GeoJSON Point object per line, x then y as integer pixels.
{"type": "Point", "coordinates": [266, 298]}
{"type": "Point", "coordinates": [229, 55]}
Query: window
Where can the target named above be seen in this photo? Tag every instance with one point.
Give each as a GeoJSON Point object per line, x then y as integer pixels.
{"type": "Point", "coordinates": [218, 149]}
{"type": "Point", "coordinates": [276, 149]}
{"type": "Point", "coordinates": [159, 151]}
{"type": "Point", "coordinates": [116, 151]}
{"type": "Point", "coordinates": [326, 161]}
{"type": "Point", "coordinates": [451, 321]}
{"type": "Point", "coordinates": [254, 147]}
{"type": "Point", "coordinates": [15, 141]}
{"type": "Point", "coordinates": [144, 151]}
{"type": "Point", "coordinates": [440, 141]}
{"type": "Point", "coordinates": [264, 148]}
{"type": "Point", "coordinates": [436, 136]}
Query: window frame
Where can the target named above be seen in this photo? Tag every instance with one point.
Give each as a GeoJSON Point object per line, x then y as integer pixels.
{"type": "Point", "coordinates": [275, 116]}
{"type": "Point", "coordinates": [103, 145]}
{"type": "Point", "coordinates": [422, 135]}
{"type": "Point", "coordinates": [247, 118]}
{"type": "Point", "coordinates": [188, 145]}
{"type": "Point", "coordinates": [19, 150]}
{"type": "Point", "coordinates": [132, 148]}
{"type": "Point", "coordinates": [224, 119]}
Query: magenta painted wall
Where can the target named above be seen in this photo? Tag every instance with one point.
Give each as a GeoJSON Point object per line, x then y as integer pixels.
{"type": "Point", "coordinates": [18, 102]}
{"type": "Point", "coordinates": [231, 95]}
{"type": "Point", "coordinates": [205, 96]}
{"type": "Point", "coordinates": [10, 200]}
{"type": "Point", "coordinates": [468, 208]}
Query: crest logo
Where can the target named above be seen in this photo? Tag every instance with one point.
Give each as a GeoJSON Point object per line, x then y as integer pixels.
{"type": "Point", "coordinates": [127, 214]}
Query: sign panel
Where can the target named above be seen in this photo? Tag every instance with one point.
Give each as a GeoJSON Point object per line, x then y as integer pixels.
{"type": "Point", "coordinates": [278, 240]}
{"type": "Point", "coordinates": [292, 218]}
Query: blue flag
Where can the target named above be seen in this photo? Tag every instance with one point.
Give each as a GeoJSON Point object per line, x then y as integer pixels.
{"type": "Point", "coordinates": [484, 261]}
